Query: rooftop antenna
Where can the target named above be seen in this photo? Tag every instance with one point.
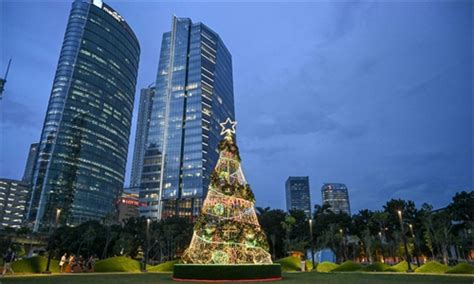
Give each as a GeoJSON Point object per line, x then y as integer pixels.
{"type": "Point", "coordinates": [4, 80]}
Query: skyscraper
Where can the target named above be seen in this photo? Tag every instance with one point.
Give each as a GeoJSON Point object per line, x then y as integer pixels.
{"type": "Point", "coordinates": [336, 196]}
{"type": "Point", "coordinates": [13, 198]}
{"type": "Point", "coordinates": [83, 147]}
{"type": "Point", "coordinates": [297, 194]}
{"type": "Point", "coordinates": [30, 163]}
{"type": "Point", "coordinates": [143, 124]}
{"type": "Point", "coordinates": [194, 93]}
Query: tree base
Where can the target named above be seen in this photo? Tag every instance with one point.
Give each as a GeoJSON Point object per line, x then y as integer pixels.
{"type": "Point", "coordinates": [231, 272]}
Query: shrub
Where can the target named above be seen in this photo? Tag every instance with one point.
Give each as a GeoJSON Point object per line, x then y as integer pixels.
{"type": "Point", "coordinates": [347, 266]}
{"type": "Point", "coordinates": [118, 264]}
{"type": "Point", "coordinates": [226, 272]}
{"type": "Point", "coordinates": [326, 266]}
{"type": "Point", "coordinates": [376, 267]}
{"type": "Point", "coordinates": [432, 267]}
{"type": "Point", "coordinates": [399, 267]}
{"type": "Point", "coordinates": [163, 267]}
{"type": "Point", "coordinates": [35, 264]}
{"type": "Point", "coordinates": [461, 268]}
{"type": "Point", "coordinates": [290, 263]}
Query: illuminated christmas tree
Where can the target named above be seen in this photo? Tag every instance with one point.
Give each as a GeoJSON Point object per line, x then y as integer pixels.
{"type": "Point", "coordinates": [227, 230]}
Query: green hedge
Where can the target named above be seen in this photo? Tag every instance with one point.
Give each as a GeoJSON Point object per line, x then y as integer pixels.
{"type": "Point", "coordinates": [163, 267]}
{"type": "Point", "coordinates": [326, 266]}
{"type": "Point", "coordinates": [347, 266]}
{"type": "Point", "coordinates": [226, 272]}
{"type": "Point", "coordinates": [461, 268]}
{"type": "Point", "coordinates": [290, 263]}
{"type": "Point", "coordinates": [376, 267]}
{"type": "Point", "coordinates": [35, 264]}
{"type": "Point", "coordinates": [432, 267]}
{"type": "Point", "coordinates": [118, 264]}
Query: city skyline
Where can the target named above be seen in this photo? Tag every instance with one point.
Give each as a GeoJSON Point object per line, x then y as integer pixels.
{"type": "Point", "coordinates": [407, 147]}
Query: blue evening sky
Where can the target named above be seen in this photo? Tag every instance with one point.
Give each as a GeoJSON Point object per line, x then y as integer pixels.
{"type": "Point", "coordinates": [376, 95]}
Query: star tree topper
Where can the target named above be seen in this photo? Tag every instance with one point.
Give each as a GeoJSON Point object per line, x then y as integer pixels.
{"type": "Point", "coordinates": [228, 127]}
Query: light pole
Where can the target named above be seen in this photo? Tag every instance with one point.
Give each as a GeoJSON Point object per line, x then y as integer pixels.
{"type": "Point", "coordinates": [343, 245]}
{"type": "Point", "coordinates": [404, 237]}
{"type": "Point", "coordinates": [58, 212]}
{"type": "Point", "coordinates": [147, 243]}
{"type": "Point", "coordinates": [381, 246]}
{"type": "Point", "coordinates": [311, 239]}
{"type": "Point", "coordinates": [414, 245]}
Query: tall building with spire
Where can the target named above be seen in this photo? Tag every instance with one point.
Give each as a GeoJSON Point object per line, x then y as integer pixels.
{"type": "Point", "coordinates": [83, 146]}
{"type": "Point", "coordinates": [194, 93]}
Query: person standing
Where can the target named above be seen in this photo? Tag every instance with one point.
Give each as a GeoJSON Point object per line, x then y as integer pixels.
{"type": "Point", "coordinates": [62, 263]}
{"type": "Point", "coordinates": [8, 260]}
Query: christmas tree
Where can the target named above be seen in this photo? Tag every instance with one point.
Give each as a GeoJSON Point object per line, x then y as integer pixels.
{"type": "Point", "coordinates": [227, 230]}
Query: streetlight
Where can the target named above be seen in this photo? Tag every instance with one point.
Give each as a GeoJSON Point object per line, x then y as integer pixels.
{"type": "Point", "coordinates": [58, 212]}
{"type": "Point", "coordinates": [147, 243]}
{"type": "Point", "coordinates": [311, 239]}
{"type": "Point", "coordinates": [404, 240]}
{"type": "Point", "coordinates": [381, 246]}
{"type": "Point", "coordinates": [414, 245]}
{"type": "Point", "coordinates": [343, 245]}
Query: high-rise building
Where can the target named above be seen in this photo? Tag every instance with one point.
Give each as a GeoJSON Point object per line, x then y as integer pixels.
{"type": "Point", "coordinates": [30, 163]}
{"type": "Point", "coordinates": [297, 194]}
{"type": "Point", "coordinates": [336, 196]}
{"type": "Point", "coordinates": [194, 93]}
{"type": "Point", "coordinates": [83, 147]}
{"type": "Point", "coordinates": [143, 124]}
{"type": "Point", "coordinates": [13, 198]}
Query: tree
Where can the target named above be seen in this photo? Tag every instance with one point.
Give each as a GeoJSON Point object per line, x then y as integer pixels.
{"type": "Point", "coordinates": [271, 220]}
{"type": "Point", "coordinates": [227, 230]}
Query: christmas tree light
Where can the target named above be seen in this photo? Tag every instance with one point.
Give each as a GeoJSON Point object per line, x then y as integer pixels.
{"type": "Point", "coordinates": [227, 230]}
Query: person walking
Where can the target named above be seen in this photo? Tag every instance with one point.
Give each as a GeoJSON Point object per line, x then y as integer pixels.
{"type": "Point", "coordinates": [8, 259]}
{"type": "Point", "coordinates": [62, 262]}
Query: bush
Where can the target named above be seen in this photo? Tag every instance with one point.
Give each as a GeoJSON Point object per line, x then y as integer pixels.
{"type": "Point", "coordinates": [117, 264]}
{"type": "Point", "coordinates": [163, 267]}
{"type": "Point", "coordinates": [35, 264]}
{"type": "Point", "coordinates": [347, 266]}
{"type": "Point", "coordinates": [376, 267]}
{"type": "Point", "coordinates": [461, 268]}
{"type": "Point", "coordinates": [326, 266]}
{"type": "Point", "coordinates": [290, 263]}
{"type": "Point", "coordinates": [432, 267]}
{"type": "Point", "coordinates": [227, 272]}
{"type": "Point", "coordinates": [399, 267]}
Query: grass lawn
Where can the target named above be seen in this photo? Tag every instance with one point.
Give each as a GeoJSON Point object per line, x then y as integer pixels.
{"type": "Point", "coordinates": [289, 278]}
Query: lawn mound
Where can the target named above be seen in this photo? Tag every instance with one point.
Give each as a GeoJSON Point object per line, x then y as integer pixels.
{"type": "Point", "coordinates": [348, 266]}
{"type": "Point", "coordinates": [326, 266]}
{"type": "Point", "coordinates": [163, 267]}
{"type": "Point", "coordinates": [36, 264]}
{"type": "Point", "coordinates": [399, 267]}
{"type": "Point", "coordinates": [432, 267]}
{"type": "Point", "coordinates": [461, 268]}
{"type": "Point", "coordinates": [290, 263]}
{"type": "Point", "coordinates": [117, 264]}
{"type": "Point", "coordinates": [376, 267]}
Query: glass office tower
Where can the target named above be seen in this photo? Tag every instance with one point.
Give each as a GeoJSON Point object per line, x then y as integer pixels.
{"type": "Point", "coordinates": [194, 93]}
{"type": "Point", "coordinates": [83, 148]}
{"type": "Point", "coordinates": [143, 124]}
{"type": "Point", "coordinates": [336, 196]}
{"type": "Point", "coordinates": [297, 194]}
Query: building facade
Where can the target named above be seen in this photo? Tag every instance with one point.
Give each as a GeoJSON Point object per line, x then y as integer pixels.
{"type": "Point", "coordinates": [83, 147]}
{"type": "Point", "coordinates": [141, 134]}
{"type": "Point", "coordinates": [30, 163]}
{"type": "Point", "coordinates": [336, 196]}
{"type": "Point", "coordinates": [13, 198]}
{"type": "Point", "coordinates": [194, 93]}
{"type": "Point", "coordinates": [298, 194]}
{"type": "Point", "coordinates": [127, 205]}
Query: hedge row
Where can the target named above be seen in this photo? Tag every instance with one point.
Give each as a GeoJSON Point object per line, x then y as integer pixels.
{"type": "Point", "coordinates": [226, 272]}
